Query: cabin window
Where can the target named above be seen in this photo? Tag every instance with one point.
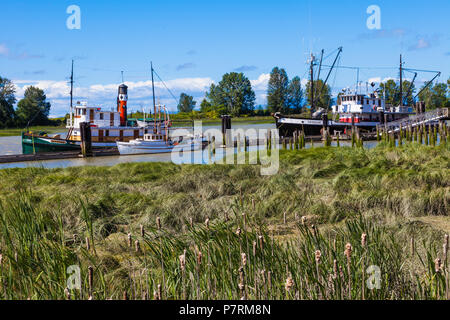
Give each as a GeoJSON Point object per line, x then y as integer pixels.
{"type": "Point", "coordinates": [107, 133]}
{"type": "Point", "coordinates": [101, 116]}
{"type": "Point", "coordinates": [83, 112]}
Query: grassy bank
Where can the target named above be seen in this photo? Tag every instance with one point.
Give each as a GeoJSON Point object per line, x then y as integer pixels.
{"type": "Point", "coordinates": [18, 131]}
{"type": "Point", "coordinates": [227, 232]}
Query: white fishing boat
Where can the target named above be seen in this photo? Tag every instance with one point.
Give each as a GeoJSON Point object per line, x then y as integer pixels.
{"type": "Point", "coordinates": [157, 143]}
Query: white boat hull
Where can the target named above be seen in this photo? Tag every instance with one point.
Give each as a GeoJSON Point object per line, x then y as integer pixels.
{"type": "Point", "coordinates": [140, 147]}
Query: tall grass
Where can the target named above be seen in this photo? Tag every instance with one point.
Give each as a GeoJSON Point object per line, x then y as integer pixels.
{"type": "Point", "coordinates": [224, 232]}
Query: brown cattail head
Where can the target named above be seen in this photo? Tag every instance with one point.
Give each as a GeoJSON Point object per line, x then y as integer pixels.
{"type": "Point", "coordinates": [125, 295]}
{"type": "Point", "coordinates": [129, 240]}
{"type": "Point", "coordinates": [289, 283]}
{"type": "Point", "coordinates": [67, 293]}
{"type": "Point", "coordinates": [199, 258]}
{"type": "Point", "coordinates": [244, 259]}
{"type": "Point", "coordinates": [159, 292]}
{"type": "Point", "coordinates": [88, 245]}
{"type": "Point", "coordinates": [446, 244]}
{"type": "Point", "coordinates": [90, 277]}
{"type": "Point", "coordinates": [303, 220]}
{"type": "Point", "coordinates": [142, 231]}
{"type": "Point", "coordinates": [318, 255]}
{"type": "Point", "coordinates": [437, 265]}
{"type": "Point", "coordinates": [1, 259]}
{"type": "Point", "coordinates": [261, 243]}
{"type": "Point", "coordinates": [363, 240]}
{"type": "Point", "coordinates": [335, 268]}
{"type": "Point", "coordinates": [207, 223]}
{"type": "Point", "coordinates": [348, 251]}
{"type": "Point", "coordinates": [137, 246]}
{"type": "Point", "coordinates": [183, 262]}
{"type": "Point", "coordinates": [158, 223]}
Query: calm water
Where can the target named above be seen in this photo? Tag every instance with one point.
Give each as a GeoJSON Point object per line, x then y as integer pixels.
{"type": "Point", "coordinates": [13, 145]}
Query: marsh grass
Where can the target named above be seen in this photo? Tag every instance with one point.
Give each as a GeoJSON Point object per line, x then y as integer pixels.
{"type": "Point", "coordinates": [343, 192]}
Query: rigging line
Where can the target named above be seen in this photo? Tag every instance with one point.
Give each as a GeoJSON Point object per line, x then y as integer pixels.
{"type": "Point", "coordinates": [369, 68]}
{"type": "Point", "coordinates": [173, 96]}
{"type": "Point", "coordinates": [418, 70]}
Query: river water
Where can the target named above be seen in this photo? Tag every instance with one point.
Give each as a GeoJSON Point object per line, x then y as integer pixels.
{"type": "Point", "coordinates": [13, 145]}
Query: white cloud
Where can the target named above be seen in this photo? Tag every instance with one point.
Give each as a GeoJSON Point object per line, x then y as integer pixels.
{"type": "Point", "coordinates": [139, 93]}
{"type": "Point", "coordinates": [4, 50]}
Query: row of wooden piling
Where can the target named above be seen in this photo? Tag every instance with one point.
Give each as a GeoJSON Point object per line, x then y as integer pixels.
{"type": "Point", "coordinates": [426, 134]}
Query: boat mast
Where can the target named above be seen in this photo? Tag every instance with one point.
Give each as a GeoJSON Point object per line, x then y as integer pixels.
{"type": "Point", "coordinates": [71, 96]}
{"type": "Point", "coordinates": [311, 71]}
{"type": "Point", "coordinates": [401, 81]}
{"type": "Point", "coordinates": [154, 101]}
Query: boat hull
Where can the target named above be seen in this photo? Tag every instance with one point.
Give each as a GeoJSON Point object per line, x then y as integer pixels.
{"type": "Point", "coordinates": [312, 127]}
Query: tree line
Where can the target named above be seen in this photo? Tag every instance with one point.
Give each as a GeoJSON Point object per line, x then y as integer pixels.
{"type": "Point", "coordinates": [234, 95]}
{"type": "Point", "coordinates": [33, 109]}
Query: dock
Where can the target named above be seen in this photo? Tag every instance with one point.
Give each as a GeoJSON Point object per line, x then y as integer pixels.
{"type": "Point", "coordinates": [56, 155]}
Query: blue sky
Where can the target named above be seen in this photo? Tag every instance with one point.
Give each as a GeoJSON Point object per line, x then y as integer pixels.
{"type": "Point", "coordinates": [193, 43]}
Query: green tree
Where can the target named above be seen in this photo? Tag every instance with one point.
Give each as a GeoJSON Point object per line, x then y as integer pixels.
{"type": "Point", "coordinates": [277, 91]}
{"type": "Point", "coordinates": [233, 95]}
{"type": "Point", "coordinates": [33, 107]}
{"type": "Point", "coordinates": [322, 99]}
{"type": "Point", "coordinates": [389, 90]}
{"type": "Point", "coordinates": [7, 100]}
{"type": "Point", "coordinates": [295, 95]}
{"type": "Point", "coordinates": [435, 96]}
{"type": "Point", "coordinates": [187, 103]}
{"type": "Point", "coordinates": [205, 106]}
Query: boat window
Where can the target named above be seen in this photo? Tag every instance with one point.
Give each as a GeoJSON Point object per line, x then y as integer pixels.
{"type": "Point", "coordinates": [107, 133]}
{"type": "Point", "coordinates": [101, 116]}
{"type": "Point", "coordinates": [83, 112]}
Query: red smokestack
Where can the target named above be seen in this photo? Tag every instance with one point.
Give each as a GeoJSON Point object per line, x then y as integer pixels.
{"type": "Point", "coordinates": [122, 104]}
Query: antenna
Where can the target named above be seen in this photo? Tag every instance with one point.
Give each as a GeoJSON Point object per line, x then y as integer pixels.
{"type": "Point", "coordinates": [122, 76]}
{"type": "Point", "coordinates": [71, 96]}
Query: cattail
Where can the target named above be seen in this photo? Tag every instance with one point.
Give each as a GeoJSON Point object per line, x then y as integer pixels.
{"type": "Point", "coordinates": [199, 258]}
{"type": "Point", "coordinates": [142, 231]}
{"type": "Point", "coordinates": [335, 268]}
{"type": "Point", "coordinates": [158, 223]}
{"type": "Point", "coordinates": [289, 283]}
{"type": "Point", "coordinates": [254, 248]}
{"type": "Point", "coordinates": [159, 292]}
{"type": "Point", "coordinates": [182, 262]}
{"type": "Point", "coordinates": [90, 278]}
{"type": "Point", "coordinates": [129, 240]}
{"type": "Point", "coordinates": [207, 223]}
{"type": "Point", "coordinates": [363, 240]}
{"type": "Point", "coordinates": [67, 293]}
{"type": "Point", "coordinates": [244, 259]}
{"type": "Point", "coordinates": [437, 265]}
{"type": "Point", "coordinates": [88, 245]}
{"type": "Point", "coordinates": [125, 295]}
{"type": "Point", "coordinates": [261, 243]}
{"type": "Point", "coordinates": [412, 246]}
{"type": "Point", "coordinates": [238, 232]}
{"type": "Point", "coordinates": [137, 246]}
{"type": "Point", "coordinates": [318, 255]}
{"type": "Point", "coordinates": [303, 220]}
{"type": "Point", "coordinates": [1, 259]}
{"type": "Point", "coordinates": [348, 252]}
{"type": "Point", "coordinates": [242, 283]}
